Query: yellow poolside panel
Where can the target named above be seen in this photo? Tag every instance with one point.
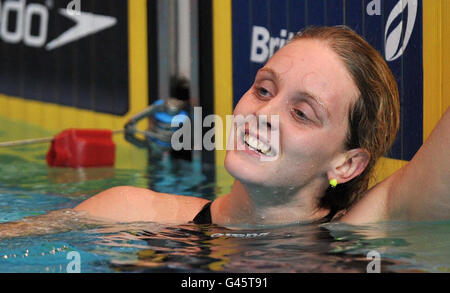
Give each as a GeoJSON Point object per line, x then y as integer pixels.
{"type": "Point", "coordinates": [4, 106]}
{"type": "Point", "coordinates": [436, 48]}
{"type": "Point", "coordinates": [34, 114]}
{"type": "Point", "coordinates": [432, 64]}
{"type": "Point", "coordinates": [445, 55]}
{"type": "Point", "coordinates": [384, 168]}
{"type": "Point", "coordinates": [223, 79]}
{"type": "Point", "coordinates": [16, 109]}
{"type": "Point", "coordinates": [223, 75]}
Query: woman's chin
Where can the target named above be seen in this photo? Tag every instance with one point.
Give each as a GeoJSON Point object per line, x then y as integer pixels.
{"type": "Point", "coordinates": [246, 170]}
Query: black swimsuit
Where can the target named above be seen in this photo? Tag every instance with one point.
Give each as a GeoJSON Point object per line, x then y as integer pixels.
{"type": "Point", "coordinates": [204, 216]}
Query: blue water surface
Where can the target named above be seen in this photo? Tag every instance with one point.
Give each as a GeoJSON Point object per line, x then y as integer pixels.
{"type": "Point", "coordinates": [29, 190]}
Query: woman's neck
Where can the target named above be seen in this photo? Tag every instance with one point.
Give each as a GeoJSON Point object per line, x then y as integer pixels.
{"type": "Point", "coordinates": [259, 205]}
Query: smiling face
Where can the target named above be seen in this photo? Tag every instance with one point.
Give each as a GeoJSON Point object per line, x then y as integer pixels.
{"type": "Point", "coordinates": [309, 88]}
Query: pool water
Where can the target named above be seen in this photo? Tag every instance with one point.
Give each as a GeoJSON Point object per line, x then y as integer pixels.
{"type": "Point", "coordinates": [29, 188]}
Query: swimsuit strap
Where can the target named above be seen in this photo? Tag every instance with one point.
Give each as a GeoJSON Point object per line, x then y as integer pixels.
{"type": "Point", "coordinates": [204, 216]}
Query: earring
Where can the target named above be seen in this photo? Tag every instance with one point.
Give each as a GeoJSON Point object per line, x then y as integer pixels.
{"type": "Point", "coordinates": [333, 183]}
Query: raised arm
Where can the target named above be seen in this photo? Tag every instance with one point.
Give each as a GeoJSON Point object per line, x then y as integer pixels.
{"type": "Point", "coordinates": [420, 191]}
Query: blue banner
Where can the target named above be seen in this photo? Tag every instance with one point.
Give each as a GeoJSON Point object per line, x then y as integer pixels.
{"type": "Point", "coordinates": [393, 27]}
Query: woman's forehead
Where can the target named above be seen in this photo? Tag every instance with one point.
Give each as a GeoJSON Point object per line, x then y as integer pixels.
{"type": "Point", "coordinates": [308, 57]}
{"type": "Point", "coordinates": [311, 66]}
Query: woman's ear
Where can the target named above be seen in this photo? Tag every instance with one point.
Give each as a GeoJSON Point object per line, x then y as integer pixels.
{"type": "Point", "coordinates": [354, 162]}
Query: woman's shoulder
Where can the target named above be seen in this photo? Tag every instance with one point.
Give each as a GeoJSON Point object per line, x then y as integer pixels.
{"type": "Point", "coordinates": [133, 204]}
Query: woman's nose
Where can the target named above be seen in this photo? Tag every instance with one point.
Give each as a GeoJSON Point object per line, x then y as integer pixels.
{"type": "Point", "coordinates": [269, 113]}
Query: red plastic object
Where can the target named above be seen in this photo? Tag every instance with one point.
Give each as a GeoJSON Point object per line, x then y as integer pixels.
{"type": "Point", "coordinates": [82, 148]}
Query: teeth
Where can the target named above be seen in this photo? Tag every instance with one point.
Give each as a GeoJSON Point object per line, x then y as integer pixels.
{"type": "Point", "coordinates": [256, 144]}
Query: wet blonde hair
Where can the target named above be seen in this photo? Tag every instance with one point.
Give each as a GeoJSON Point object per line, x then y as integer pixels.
{"type": "Point", "coordinates": [373, 118]}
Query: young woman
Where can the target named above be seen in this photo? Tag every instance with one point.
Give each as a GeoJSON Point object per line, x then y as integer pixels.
{"type": "Point", "coordinates": [338, 108]}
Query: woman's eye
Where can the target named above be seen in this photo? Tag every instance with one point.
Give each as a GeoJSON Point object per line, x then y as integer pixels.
{"type": "Point", "coordinates": [300, 114]}
{"type": "Point", "coordinates": [263, 92]}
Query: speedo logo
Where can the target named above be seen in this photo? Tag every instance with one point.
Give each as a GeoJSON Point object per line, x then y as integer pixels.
{"type": "Point", "coordinates": [239, 235]}
{"type": "Point", "coordinates": [27, 23]}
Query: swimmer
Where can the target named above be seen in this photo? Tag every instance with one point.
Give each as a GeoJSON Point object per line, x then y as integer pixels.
{"type": "Point", "coordinates": [338, 108]}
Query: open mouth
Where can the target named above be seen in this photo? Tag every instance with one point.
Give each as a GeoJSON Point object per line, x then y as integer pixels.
{"type": "Point", "coordinates": [254, 144]}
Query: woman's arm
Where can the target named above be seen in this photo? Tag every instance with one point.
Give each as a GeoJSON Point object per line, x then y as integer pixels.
{"type": "Point", "coordinates": [132, 204]}
{"type": "Point", "coordinates": [419, 191]}
{"type": "Point", "coordinates": [58, 221]}
{"type": "Point", "coordinates": [119, 204]}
